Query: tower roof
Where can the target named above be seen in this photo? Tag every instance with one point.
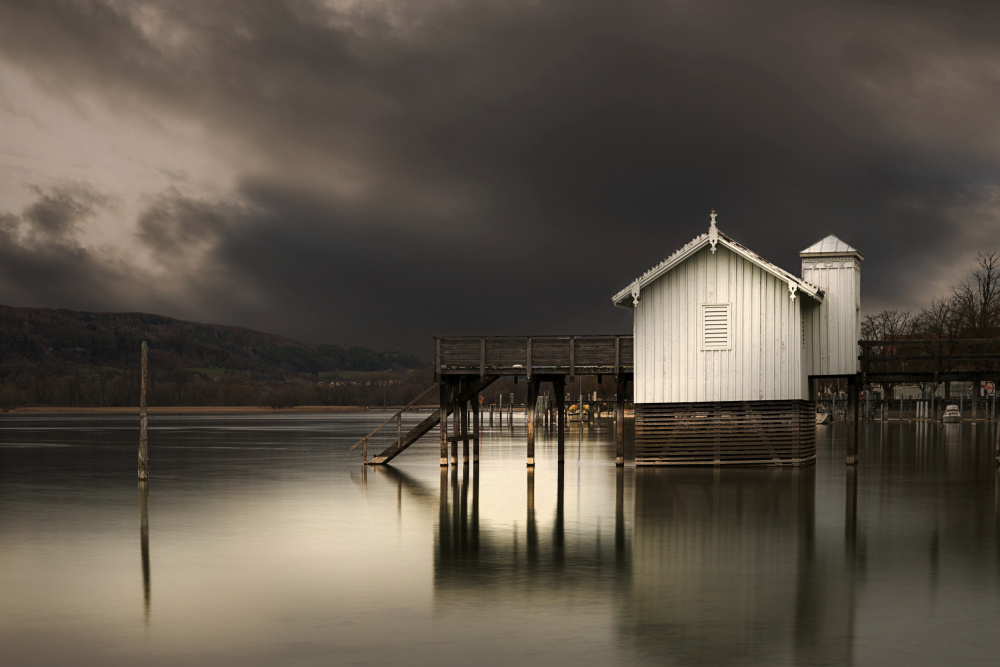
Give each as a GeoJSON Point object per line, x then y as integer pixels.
{"type": "Point", "coordinates": [831, 245]}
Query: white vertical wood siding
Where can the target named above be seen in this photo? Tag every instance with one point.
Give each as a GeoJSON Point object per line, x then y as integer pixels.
{"type": "Point", "coordinates": [763, 361]}
{"type": "Point", "coordinates": [834, 327]}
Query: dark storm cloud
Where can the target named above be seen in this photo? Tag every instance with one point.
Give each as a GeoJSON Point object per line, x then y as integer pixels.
{"type": "Point", "coordinates": [499, 167]}
{"type": "Point", "coordinates": [41, 261]}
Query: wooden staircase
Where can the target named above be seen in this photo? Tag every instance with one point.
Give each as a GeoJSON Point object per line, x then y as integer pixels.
{"type": "Point", "coordinates": [395, 445]}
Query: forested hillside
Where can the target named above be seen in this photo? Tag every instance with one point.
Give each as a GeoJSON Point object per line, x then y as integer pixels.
{"type": "Point", "coordinates": [64, 357]}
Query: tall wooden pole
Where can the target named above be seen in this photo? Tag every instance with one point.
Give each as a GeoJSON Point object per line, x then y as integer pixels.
{"type": "Point", "coordinates": [143, 420]}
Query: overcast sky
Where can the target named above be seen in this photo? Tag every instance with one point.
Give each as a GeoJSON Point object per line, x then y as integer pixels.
{"type": "Point", "coordinates": [378, 172]}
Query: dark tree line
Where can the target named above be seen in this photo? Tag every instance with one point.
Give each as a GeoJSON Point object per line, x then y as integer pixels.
{"type": "Point", "coordinates": [71, 358]}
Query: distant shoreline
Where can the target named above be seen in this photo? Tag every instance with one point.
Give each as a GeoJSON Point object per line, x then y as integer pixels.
{"type": "Point", "coordinates": [187, 410]}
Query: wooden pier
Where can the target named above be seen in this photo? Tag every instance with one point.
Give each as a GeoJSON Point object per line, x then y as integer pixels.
{"type": "Point", "coordinates": [466, 365]}
{"type": "Point", "coordinates": [929, 361]}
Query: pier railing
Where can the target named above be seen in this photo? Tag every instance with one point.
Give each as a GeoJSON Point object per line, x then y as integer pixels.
{"type": "Point", "coordinates": [529, 355]}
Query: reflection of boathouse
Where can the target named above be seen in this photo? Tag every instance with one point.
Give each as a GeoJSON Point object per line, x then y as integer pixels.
{"type": "Point", "coordinates": [725, 570]}
{"type": "Point", "coordinates": [726, 343]}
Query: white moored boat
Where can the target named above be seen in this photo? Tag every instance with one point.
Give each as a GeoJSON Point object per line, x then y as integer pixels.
{"type": "Point", "coordinates": [951, 415]}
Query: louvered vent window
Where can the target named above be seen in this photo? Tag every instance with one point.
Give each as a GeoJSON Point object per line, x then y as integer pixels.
{"type": "Point", "coordinates": [716, 326]}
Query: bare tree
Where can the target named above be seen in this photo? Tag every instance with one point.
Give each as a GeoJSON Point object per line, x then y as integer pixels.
{"type": "Point", "coordinates": [888, 325]}
{"type": "Point", "coordinates": [976, 300]}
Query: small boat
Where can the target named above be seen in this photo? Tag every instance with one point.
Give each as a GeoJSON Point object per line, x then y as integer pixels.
{"type": "Point", "coordinates": [822, 416]}
{"type": "Point", "coordinates": [951, 415]}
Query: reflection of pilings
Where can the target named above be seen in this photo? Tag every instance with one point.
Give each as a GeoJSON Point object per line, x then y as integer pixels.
{"type": "Point", "coordinates": [444, 525]}
{"type": "Point", "coordinates": [144, 543]}
{"type": "Point", "coordinates": [559, 527]}
{"type": "Point", "coordinates": [475, 509]}
{"type": "Point", "coordinates": [619, 513]}
{"type": "Point", "coordinates": [456, 508]}
{"type": "Point", "coordinates": [463, 521]}
{"type": "Point", "coordinates": [532, 525]}
{"type": "Point", "coordinates": [851, 512]}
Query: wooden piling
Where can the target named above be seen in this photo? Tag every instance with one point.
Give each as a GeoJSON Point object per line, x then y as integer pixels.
{"type": "Point", "coordinates": [456, 426]}
{"type": "Point", "coordinates": [443, 398]}
{"type": "Point", "coordinates": [559, 388]}
{"type": "Point", "coordinates": [465, 432]}
{"type": "Point", "coordinates": [620, 421]}
{"type": "Point", "coordinates": [852, 420]}
{"type": "Point", "coordinates": [996, 445]}
{"type": "Point", "coordinates": [475, 429]}
{"type": "Point", "coordinates": [143, 419]}
{"type": "Point", "coordinates": [529, 415]}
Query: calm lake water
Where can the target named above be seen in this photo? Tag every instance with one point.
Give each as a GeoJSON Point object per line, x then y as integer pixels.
{"type": "Point", "coordinates": [266, 542]}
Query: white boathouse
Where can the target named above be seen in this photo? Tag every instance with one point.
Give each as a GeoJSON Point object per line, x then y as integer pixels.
{"type": "Point", "coordinates": [726, 344]}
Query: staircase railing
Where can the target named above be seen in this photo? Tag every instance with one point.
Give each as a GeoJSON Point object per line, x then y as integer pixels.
{"type": "Point", "coordinates": [396, 417]}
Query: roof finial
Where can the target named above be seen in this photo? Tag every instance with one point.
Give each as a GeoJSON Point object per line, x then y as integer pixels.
{"type": "Point", "coordinates": [713, 232]}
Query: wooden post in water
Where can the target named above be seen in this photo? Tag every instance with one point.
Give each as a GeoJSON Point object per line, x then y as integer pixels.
{"type": "Point", "coordinates": [443, 399]}
{"type": "Point", "coordinates": [529, 415]}
{"type": "Point", "coordinates": [996, 445]}
{"type": "Point", "coordinates": [852, 420]}
{"type": "Point", "coordinates": [559, 388]}
{"type": "Point", "coordinates": [475, 429]}
{"type": "Point", "coordinates": [456, 427]}
{"type": "Point", "coordinates": [465, 432]}
{"type": "Point", "coordinates": [620, 421]}
{"type": "Point", "coordinates": [143, 419]}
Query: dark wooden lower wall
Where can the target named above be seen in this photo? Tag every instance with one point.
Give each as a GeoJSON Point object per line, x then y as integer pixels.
{"type": "Point", "coordinates": [725, 433]}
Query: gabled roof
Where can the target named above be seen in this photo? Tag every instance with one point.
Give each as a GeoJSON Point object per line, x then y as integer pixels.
{"type": "Point", "coordinates": [628, 296]}
{"type": "Point", "coordinates": [831, 245]}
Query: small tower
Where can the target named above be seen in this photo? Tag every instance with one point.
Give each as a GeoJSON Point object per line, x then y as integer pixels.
{"type": "Point", "coordinates": [831, 329]}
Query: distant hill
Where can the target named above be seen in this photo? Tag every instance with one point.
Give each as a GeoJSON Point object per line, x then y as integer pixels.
{"type": "Point", "coordinates": [41, 348]}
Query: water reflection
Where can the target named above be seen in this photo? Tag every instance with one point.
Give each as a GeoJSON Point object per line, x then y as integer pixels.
{"type": "Point", "coordinates": [726, 570]}
{"type": "Point", "coordinates": [893, 561]}
{"type": "Point", "coordinates": [144, 543]}
{"type": "Point", "coordinates": [468, 558]}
